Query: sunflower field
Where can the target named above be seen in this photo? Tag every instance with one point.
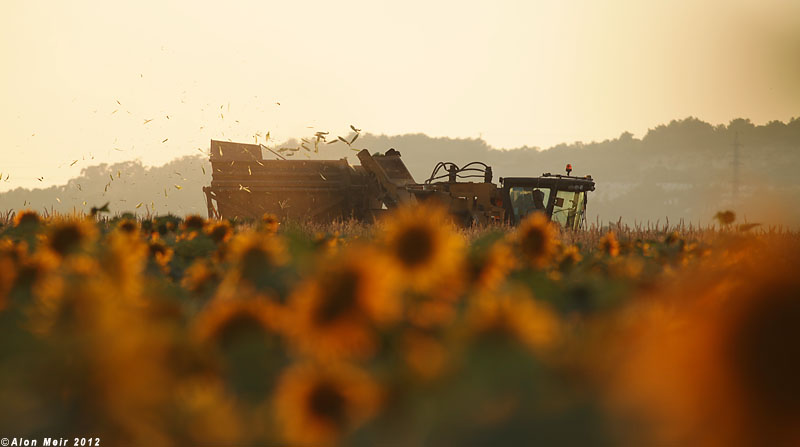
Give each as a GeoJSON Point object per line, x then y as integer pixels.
{"type": "Point", "coordinates": [167, 331]}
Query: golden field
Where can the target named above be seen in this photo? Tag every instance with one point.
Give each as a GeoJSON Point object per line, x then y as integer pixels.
{"type": "Point", "coordinates": [168, 332]}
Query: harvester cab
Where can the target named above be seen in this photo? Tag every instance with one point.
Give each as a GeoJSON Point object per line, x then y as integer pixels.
{"type": "Point", "coordinates": [562, 198]}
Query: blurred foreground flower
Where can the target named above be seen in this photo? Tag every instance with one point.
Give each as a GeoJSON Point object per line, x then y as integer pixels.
{"type": "Point", "coordinates": [66, 236]}
{"type": "Point", "coordinates": [714, 359]}
{"type": "Point", "coordinates": [27, 218]}
{"type": "Point", "coordinates": [317, 406]}
{"type": "Point", "coordinates": [514, 315]}
{"type": "Point", "coordinates": [336, 312]}
{"type": "Point", "coordinates": [536, 240]}
{"type": "Point", "coordinates": [423, 244]}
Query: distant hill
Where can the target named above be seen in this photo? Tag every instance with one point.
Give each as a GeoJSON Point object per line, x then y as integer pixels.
{"type": "Point", "coordinates": [681, 170]}
{"type": "Point", "coordinates": [175, 187]}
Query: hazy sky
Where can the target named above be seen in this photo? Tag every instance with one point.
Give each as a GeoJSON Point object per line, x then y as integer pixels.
{"type": "Point", "coordinates": [516, 73]}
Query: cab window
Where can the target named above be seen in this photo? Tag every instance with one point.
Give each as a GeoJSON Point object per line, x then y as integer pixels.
{"type": "Point", "coordinates": [527, 199]}
{"type": "Point", "coordinates": [568, 209]}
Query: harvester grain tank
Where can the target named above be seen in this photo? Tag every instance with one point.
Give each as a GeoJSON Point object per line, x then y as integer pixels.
{"type": "Point", "coordinates": [245, 186]}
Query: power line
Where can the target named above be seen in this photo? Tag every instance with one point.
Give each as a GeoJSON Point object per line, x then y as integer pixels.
{"type": "Point", "coordinates": [736, 147]}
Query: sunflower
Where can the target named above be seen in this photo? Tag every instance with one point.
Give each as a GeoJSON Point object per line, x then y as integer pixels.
{"type": "Point", "coordinates": [642, 247]}
{"type": "Point", "coordinates": [514, 315]}
{"type": "Point", "coordinates": [714, 357]}
{"type": "Point", "coordinates": [270, 223]}
{"type": "Point", "coordinates": [27, 217]}
{"type": "Point", "coordinates": [33, 267]}
{"type": "Point", "coordinates": [128, 226]}
{"type": "Point", "coordinates": [335, 312]}
{"type": "Point", "coordinates": [316, 406]}
{"type": "Point", "coordinates": [326, 243]}
{"type": "Point", "coordinates": [123, 259]}
{"type": "Point", "coordinates": [536, 240]}
{"type": "Point", "coordinates": [570, 256]}
{"type": "Point", "coordinates": [673, 238]}
{"type": "Point", "coordinates": [57, 293]}
{"type": "Point", "coordinates": [212, 412]}
{"type": "Point", "coordinates": [219, 231]}
{"type": "Point", "coordinates": [130, 385]}
{"type": "Point", "coordinates": [489, 266]}
{"type": "Point", "coordinates": [252, 252]}
{"type": "Point", "coordinates": [11, 256]}
{"type": "Point", "coordinates": [160, 253]}
{"type": "Point", "coordinates": [201, 277]}
{"type": "Point", "coordinates": [609, 245]}
{"type": "Point", "coordinates": [225, 318]}
{"type": "Point", "coordinates": [423, 244]}
{"type": "Point", "coordinates": [193, 222]}
{"type": "Point", "coordinates": [67, 236]}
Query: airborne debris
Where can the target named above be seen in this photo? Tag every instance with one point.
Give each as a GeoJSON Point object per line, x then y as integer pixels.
{"type": "Point", "coordinates": [103, 209]}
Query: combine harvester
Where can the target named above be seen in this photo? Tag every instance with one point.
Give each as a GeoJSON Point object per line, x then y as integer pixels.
{"type": "Point", "coordinates": [245, 186]}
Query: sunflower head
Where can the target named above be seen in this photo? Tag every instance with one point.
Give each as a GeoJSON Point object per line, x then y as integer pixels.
{"type": "Point", "coordinates": [757, 349]}
{"type": "Point", "coordinates": [220, 231]}
{"type": "Point", "coordinates": [270, 223]}
{"type": "Point", "coordinates": [128, 226]}
{"type": "Point", "coordinates": [27, 218]}
{"type": "Point", "coordinates": [570, 256]}
{"type": "Point", "coordinates": [673, 238]}
{"type": "Point", "coordinates": [514, 315]}
{"type": "Point", "coordinates": [712, 355]}
{"type": "Point", "coordinates": [201, 277]}
{"type": "Point", "coordinates": [335, 312]}
{"type": "Point", "coordinates": [326, 243]}
{"type": "Point", "coordinates": [160, 253]}
{"type": "Point", "coordinates": [642, 247]}
{"type": "Point", "coordinates": [609, 245]}
{"type": "Point", "coordinates": [253, 253]}
{"type": "Point", "coordinates": [166, 224]}
{"type": "Point", "coordinates": [317, 406]}
{"type": "Point", "coordinates": [490, 264]}
{"type": "Point", "coordinates": [226, 318]}
{"type": "Point", "coordinates": [193, 222]}
{"type": "Point", "coordinates": [11, 256]}
{"type": "Point", "coordinates": [536, 240]}
{"type": "Point", "coordinates": [423, 244]}
{"type": "Point", "coordinates": [67, 236]}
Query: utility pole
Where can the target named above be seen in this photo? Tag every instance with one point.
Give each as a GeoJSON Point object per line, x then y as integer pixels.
{"type": "Point", "coordinates": [736, 147]}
